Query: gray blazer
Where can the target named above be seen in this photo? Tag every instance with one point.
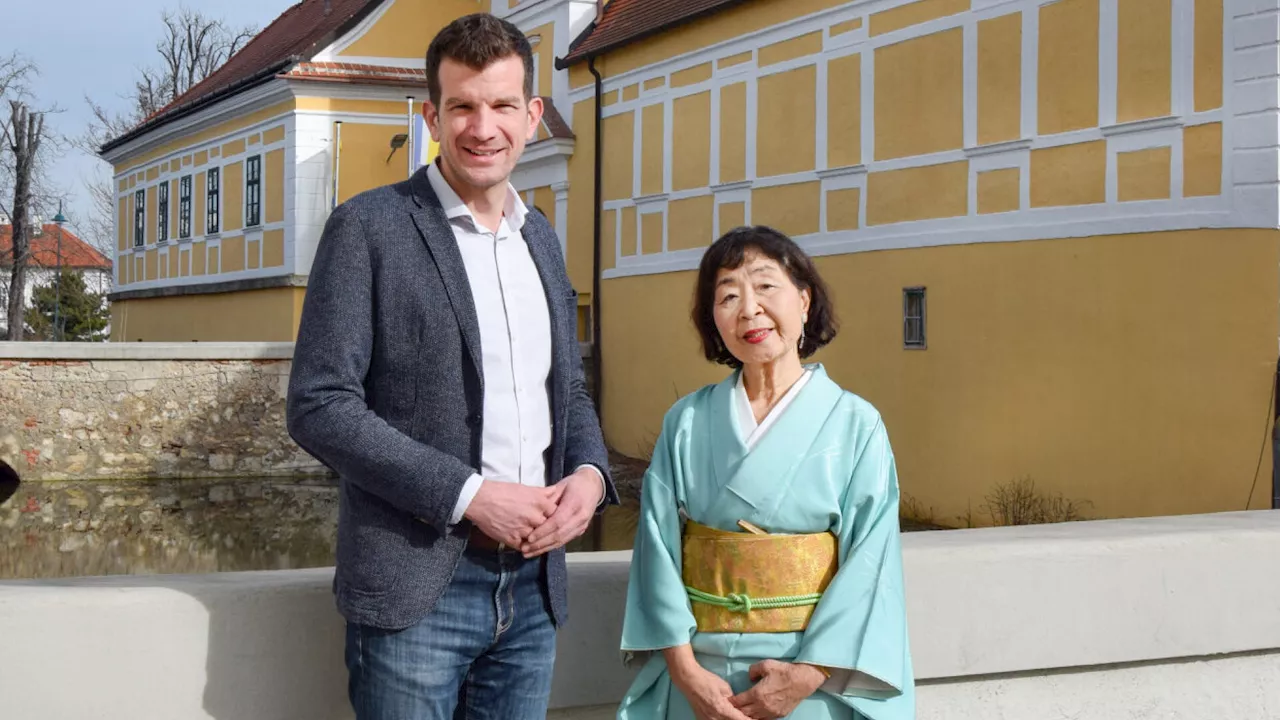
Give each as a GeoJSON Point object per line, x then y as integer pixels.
{"type": "Point", "coordinates": [387, 390]}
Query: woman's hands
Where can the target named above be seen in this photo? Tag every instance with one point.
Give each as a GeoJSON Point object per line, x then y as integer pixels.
{"type": "Point", "coordinates": [708, 694]}
{"type": "Point", "coordinates": [779, 688]}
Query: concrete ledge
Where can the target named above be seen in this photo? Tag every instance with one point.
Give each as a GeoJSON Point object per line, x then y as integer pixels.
{"type": "Point", "coordinates": [1161, 617]}
{"type": "Point", "coordinates": [146, 351]}
{"type": "Point", "coordinates": [258, 283]}
{"type": "Point", "coordinates": [1006, 600]}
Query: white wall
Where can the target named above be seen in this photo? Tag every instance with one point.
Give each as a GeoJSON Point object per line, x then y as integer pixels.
{"type": "Point", "coordinates": [1166, 618]}
{"type": "Point", "coordinates": [95, 281]}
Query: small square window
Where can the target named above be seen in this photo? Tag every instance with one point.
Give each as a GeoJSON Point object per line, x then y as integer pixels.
{"type": "Point", "coordinates": [913, 318]}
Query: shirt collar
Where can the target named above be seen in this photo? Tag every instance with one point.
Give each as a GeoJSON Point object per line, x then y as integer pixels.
{"type": "Point", "coordinates": [513, 210]}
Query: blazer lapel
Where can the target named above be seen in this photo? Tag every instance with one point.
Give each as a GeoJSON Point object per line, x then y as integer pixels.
{"type": "Point", "coordinates": [540, 249]}
{"type": "Point", "coordinates": [436, 232]}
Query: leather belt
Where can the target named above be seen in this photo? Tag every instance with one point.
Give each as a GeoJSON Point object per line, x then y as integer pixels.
{"type": "Point", "coordinates": [479, 541]}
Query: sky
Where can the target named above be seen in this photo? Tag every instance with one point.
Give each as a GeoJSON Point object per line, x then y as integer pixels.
{"type": "Point", "coordinates": [94, 48]}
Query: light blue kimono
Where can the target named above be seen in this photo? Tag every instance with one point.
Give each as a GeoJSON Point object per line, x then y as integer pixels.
{"type": "Point", "coordinates": [825, 464]}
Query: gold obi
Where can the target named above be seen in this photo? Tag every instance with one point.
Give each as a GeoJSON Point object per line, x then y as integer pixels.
{"type": "Point", "coordinates": [749, 583]}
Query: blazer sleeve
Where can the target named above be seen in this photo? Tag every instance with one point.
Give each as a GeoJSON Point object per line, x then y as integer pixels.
{"type": "Point", "coordinates": [328, 415]}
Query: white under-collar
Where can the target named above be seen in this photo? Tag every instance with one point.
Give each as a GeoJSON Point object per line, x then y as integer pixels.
{"type": "Point", "coordinates": [513, 210]}
{"type": "Point", "coordinates": [751, 430]}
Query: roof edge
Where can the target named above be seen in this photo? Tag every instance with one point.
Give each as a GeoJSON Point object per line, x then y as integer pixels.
{"type": "Point", "coordinates": [258, 77]}
{"type": "Point", "coordinates": [261, 76]}
{"type": "Point", "coordinates": [570, 59]}
{"type": "Point", "coordinates": [560, 62]}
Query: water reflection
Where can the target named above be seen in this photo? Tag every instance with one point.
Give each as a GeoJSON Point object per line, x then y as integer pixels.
{"type": "Point", "coordinates": [62, 529]}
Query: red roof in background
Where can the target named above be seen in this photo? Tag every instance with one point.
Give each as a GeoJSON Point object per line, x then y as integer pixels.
{"type": "Point", "coordinates": [300, 32]}
{"type": "Point", "coordinates": [554, 121]}
{"type": "Point", "coordinates": [626, 21]}
{"type": "Point", "coordinates": [76, 253]}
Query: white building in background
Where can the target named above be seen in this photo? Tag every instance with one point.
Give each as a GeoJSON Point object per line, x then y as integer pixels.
{"type": "Point", "coordinates": [76, 255]}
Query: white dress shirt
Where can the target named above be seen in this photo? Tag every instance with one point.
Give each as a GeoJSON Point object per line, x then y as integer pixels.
{"type": "Point", "coordinates": [515, 342]}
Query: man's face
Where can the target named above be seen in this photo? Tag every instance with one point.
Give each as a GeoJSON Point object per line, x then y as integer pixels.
{"type": "Point", "coordinates": [483, 120]}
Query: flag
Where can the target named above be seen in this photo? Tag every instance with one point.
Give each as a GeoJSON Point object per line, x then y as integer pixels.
{"type": "Point", "coordinates": [424, 148]}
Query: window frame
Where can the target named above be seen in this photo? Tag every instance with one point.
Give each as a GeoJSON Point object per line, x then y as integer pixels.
{"type": "Point", "coordinates": [184, 207]}
{"type": "Point", "coordinates": [140, 217]}
{"type": "Point", "coordinates": [915, 321]}
{"type": "Point", "coordinates": [212, 200]}
{"type": "Point", "coordinates": [162, 212]}
{"type": "Point", "coordinates": [253, 191]}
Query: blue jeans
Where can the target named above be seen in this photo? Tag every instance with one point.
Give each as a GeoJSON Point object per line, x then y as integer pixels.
{"type": "Point", "coordinates": [484, 652]}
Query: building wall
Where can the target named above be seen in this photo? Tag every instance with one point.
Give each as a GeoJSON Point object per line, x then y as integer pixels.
{"type": "Point", "coordinates": [402, 29]}
{"type": "Point", "coordinates": [1062, 179]}
{"type": "Point", "coordinates": [1121, 371]}
{"type": "Point", "coordinates": [296, 141]}
{"type": "Point", "coordinates": [268, 315]}
{"type": "Point", "coordinates": [206, 255]}
{"type": "Point", "coordinates": [230, 252]}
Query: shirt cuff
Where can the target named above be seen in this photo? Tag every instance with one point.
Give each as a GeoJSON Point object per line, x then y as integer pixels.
{"type": "Point", "coordinates": [469, 490]}
{"type": "Point", "coordinates": [604, 489]}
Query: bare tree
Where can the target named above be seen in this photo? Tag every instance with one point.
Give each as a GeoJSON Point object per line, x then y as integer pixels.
{"type": "Point", "coordinates": [15, 74]}
{"type": "Point", "coordinates": [27, 149]}
{"type": "Point", "coordinates": [23, 135]}
{"type": "Point", "coordinates": [191, 47]}
{"type": "Point", "coordinates": [98, 224]}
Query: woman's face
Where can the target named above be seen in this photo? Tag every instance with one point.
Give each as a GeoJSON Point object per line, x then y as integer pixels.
{"type": "Point", "coordinates": [759, 310]}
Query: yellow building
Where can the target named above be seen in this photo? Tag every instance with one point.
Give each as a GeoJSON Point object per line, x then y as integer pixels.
{"type": "Point", "coordinates": [1050, 227]}
{"type": "Point", "coordinates": [222, 196]}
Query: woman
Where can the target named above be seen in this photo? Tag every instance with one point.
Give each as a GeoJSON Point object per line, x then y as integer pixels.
{"type": "Point", "coordinates": [766, 578]}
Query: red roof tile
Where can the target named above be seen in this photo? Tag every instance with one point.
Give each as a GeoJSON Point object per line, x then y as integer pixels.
{"type": "Point", "coordinates": [356, 72]}
{"type": "Point", "coordinates": [76, 253]}
{"type": "Point", "coordinates": [554, 121]}
{"type": "Point", "coordinates": [300, 32]}
{"type": "Point", "coordinates": [626, 21]}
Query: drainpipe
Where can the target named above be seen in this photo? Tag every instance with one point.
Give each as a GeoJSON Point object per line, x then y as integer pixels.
{"type": "Point", "coordinates": [596, 345]}
{"type": "Point", "coordinates": [1275, 443]}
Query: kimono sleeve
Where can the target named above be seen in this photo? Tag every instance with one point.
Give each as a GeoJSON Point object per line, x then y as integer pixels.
{"type": "Point", "coordinates": [859, 629]}
{"type": "Point", "coordinates": [658, 615]}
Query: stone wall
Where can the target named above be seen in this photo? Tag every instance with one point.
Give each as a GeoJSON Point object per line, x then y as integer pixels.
{"type": "Point", "coordinates": [147, 410]}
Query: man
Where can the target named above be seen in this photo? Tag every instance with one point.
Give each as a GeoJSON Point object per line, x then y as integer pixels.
{"type": "Point", "coordinates": [437, 371]}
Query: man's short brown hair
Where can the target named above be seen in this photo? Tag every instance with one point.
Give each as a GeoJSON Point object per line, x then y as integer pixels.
{"type": "Point", "coordinates": [476, 41]}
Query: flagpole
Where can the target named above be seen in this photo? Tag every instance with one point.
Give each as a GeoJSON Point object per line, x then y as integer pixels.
{"type": "Point", "coordinates": [410, 128]}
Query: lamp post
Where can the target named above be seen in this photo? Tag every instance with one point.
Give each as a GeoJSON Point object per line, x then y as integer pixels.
{"type": "Point", "coordinates": [57, 281]}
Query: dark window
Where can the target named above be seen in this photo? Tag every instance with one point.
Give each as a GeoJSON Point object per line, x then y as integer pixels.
{"type": "Point", "coordinates": [162, 212]}
{"type": "Point", "coordinates": [184, 207]}
{"type": "Point", "coordinates": [253, 191]}
{"type": "Point", "coordinates": [139, 218]}
{"type": "Point", "coordinates": [212, 213]}
{"type": "Point", "coordinates": [913, 313]}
